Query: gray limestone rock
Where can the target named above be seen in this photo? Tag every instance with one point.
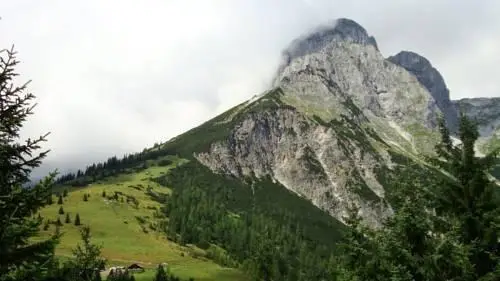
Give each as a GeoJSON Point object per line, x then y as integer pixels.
{"type": "Point", "coordinates": [342, 106]}
{"type": "Point", "coordinates": [428, 76]}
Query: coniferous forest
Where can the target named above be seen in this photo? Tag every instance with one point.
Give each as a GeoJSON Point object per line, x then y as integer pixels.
{"type": "Point", "coordinates": [446, 221]}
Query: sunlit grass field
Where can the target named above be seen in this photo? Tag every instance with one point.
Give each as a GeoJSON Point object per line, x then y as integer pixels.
{"type": "Point", "coordinates": [126, 230]}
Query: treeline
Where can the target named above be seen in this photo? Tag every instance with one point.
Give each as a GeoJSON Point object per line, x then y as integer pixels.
{"type": "Point", "coordinates": [206, 210]}
{"type": "Point", "coordinates": [446, 225]}
{"type": "Point", "coordinates": [113, 166]}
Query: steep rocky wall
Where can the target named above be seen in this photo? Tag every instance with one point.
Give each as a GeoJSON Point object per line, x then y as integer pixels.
{"type": "Point", "coordinates": [432, 80]}
{"type": "Point", "coordinates": [304, 156]}
{"type": "Point", "coordinates": [342, 104]}
{"type": "Point", "coordinates": [485, 110]}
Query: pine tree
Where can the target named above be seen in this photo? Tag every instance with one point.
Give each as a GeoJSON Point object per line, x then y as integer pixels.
{"type": "Point", "coordinates": [58, 222]}
{"type": "Point", "coordinates": [87, 257]}
{"type": "Point", "coordinates": [77, 219]}
{"type": "Point", "coordinates": [60, 200]}
{"type": "Point", "coordinates": [20, 256]}
{"type": "Point", "coordinates": [161, 274]}
{"type": "Point", "coordinates": [65, 193]}
{"type": "Point", "coordinates": [445, 226]}
{"type": "Point", "coordinates": [471, 198]}
{"type": "Point", "coordinates": [61, 211]}
{"type": "Point", "coordinates": [50, 201]}
{"type": "Point", "coordinates": [85, 198]}
{"type": "Point", "coordinates": [68, 219]}
{"type": "Point", "coordinates": [103, 194]}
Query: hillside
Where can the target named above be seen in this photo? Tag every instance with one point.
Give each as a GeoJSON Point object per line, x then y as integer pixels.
{"type": "Point", "coordinates": [129, 232]}
{"type": "Point", "coordinates": [264, 188]}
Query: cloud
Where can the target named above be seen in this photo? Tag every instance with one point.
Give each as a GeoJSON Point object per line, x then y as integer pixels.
{"type": "Point", "coordinates": [113, 77]}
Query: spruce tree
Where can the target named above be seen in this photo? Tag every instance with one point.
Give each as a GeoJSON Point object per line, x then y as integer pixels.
{"type": "Point", "coordinates": [61, 211]}
{"type": "Point", "coordinates": [77, 219]}
{"type": "Point", "coordinates": [161, 274]}
{"type": "Point", "coordinates": [103, 194]}
{"type": "Point", "coordinates": [68, 219]}
{"type": "Point", "coordinates": [445, 226]}
{"type": "Point", "coordinates": [58, 222]}
{"type": "Point", "coordinates": [87, 258]}
{"type": "Point", "coordinates": [60, 200]}
{"type": "Point", "coordinates": [65, 193]}
{"type": "Point", "coordinates": [85, 198]}
{"type": "Point", "coordinates": [470, 197]}
{"type": "Point", "coordinates": [20, 256]}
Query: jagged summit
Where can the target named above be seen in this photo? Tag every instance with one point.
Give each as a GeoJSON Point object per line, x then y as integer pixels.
{"type": "Point", "coordinates": [431, 79]}
{"type": "Point", "coordinates": [339, 30]}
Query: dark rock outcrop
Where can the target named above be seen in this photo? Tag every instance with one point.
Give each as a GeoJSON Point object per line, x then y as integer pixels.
{"type": "Point", "coordinates": [432, 80]}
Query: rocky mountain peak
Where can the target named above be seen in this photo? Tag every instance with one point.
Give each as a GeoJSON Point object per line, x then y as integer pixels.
{"type": "Point", "coordinates": [339, 30]}
{"type": "Point", "coordinates": [431, 79]}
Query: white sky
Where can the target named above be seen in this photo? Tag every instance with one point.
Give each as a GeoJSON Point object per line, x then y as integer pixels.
{"type": "Point", "coordinates": [113, 77]}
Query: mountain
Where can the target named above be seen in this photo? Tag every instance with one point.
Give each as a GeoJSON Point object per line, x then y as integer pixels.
{"type": "Point", "coordinates": [288, 164]}
{"type": "Point", "coordinates": [327, 129]}
{"type": "Point", "coordinates": [486, 112]}
{"type": "Point", "coordinates": [432, 80]}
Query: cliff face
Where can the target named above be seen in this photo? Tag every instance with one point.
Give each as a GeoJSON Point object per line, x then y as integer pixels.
{"type": "Point", "coordinates": [486, 112]}
{"type": "Point", "coordinates": [317, 161]}
{"type": "Point", "coordinates": [432, 80]}
{"type": "Point", "coordinates": [325, 129]}
{"type": "Point", "coordinates": [338, 118]}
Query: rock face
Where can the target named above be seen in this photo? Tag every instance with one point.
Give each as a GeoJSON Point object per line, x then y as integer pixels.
{"type": "Point", "coordinates": [428, 76]}
{"type": "Point", "coordinates": [324, 131]}
{"type": "Point", "coordinates": [341, 30]}
{"type": "Point", "coordinates": [485, 110]}
{"type": "Point", "coordinates": [307, 158]}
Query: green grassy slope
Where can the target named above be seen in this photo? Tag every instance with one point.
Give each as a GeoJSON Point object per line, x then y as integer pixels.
{"type": "Point", "coordinates": [117, 227]}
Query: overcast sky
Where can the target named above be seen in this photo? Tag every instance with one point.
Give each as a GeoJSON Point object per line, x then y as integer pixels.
{"type": "Point", "coordinates": [113, 77]}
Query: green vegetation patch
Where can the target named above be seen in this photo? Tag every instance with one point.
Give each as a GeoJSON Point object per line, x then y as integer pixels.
{"type": "Point", "coordinates": [200, 138]}
{"type": "Point", "coordinates": [129, 233]}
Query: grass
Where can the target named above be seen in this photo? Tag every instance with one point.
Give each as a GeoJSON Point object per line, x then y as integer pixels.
{"type": "Point", "coordinates": [118, 228]}
{"type": "Point", "coordinates": [185, 273]}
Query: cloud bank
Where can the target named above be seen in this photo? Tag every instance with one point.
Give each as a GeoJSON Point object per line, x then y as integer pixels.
{"type": "Point", "coordinates": [113, 77]}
